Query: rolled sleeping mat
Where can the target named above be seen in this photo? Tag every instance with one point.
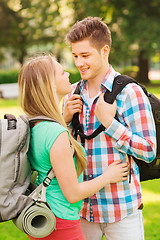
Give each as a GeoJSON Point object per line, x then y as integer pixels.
{"type": "Point", "coordinates": [36, 220]}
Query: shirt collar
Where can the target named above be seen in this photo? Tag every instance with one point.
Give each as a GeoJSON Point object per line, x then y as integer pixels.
{"type": "Point", "coordinates": [107, 82]}
{"type": "Point", "coordinates": [109, 78]}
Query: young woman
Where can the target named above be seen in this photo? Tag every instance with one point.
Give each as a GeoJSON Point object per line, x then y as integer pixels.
{"type": "Point", "coordinates": [42, 84]}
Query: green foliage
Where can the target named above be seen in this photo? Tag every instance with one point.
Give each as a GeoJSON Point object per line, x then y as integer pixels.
{"type": "Point", "coordinates": [9, 76]}
{"type": "Point", "coordinates": [130, 71]}
{"type": "Point", "coordinates": [33, 22]}
{"type": "Point", "coordinates": [134, 26]}
{"type": "Point", "coordinates": [74, 75]}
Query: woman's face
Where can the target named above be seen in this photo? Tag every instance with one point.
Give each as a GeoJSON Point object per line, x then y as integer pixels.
{"type": "Point", "coordinates": [63, 86]}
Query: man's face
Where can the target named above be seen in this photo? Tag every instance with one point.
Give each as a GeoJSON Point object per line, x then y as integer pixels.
{"type": "Point", "coordinates": [89, 61]}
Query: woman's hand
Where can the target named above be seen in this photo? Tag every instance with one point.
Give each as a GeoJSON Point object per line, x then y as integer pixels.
{"type": "Point", "coordinates": [117, 172]}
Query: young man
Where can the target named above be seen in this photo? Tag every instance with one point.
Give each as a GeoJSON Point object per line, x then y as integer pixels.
{"type": "Point", "coordinates": [113, 211]}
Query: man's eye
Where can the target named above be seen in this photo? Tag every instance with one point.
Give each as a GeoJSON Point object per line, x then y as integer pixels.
{"type": "Point", "coordinates": [85, 56]}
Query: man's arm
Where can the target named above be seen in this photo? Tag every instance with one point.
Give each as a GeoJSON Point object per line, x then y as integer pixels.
{"type": "Point", "coordinates": [134, 133]}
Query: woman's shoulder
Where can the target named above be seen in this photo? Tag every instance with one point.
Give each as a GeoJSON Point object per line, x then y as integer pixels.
{"type": "Point", "coordinates": [48, 132]}
{"type": "Point", "coordinates": [44, 125]}
{"type": "Point", "coordinates": [48, 129]}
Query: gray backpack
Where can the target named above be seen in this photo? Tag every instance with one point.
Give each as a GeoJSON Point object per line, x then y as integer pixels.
{"type": "Point", "coordinates": [16, 190]}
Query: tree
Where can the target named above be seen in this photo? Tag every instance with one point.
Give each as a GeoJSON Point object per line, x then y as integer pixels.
{"type": "Point", "coordinates": [134, 25]}
{"type": "Point", "coordinates": [31, 23]}
{"type": "Point", "coordinates": [139, 25]}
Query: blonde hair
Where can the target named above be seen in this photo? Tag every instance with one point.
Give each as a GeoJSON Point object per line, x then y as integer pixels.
{"type": "Point", "coordinates": [37, 95]}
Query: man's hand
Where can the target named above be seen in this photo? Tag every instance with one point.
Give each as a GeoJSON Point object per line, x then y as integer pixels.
{"type": "Point", "coordinates": [73, 104]}
{"type": "Point", "coordinates": [104, 111]}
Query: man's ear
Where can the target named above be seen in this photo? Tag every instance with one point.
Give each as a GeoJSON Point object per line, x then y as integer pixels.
{"type": "Point", "coordinates": [105, 50]}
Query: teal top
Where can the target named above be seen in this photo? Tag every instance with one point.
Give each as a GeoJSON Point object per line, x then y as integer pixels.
{"type": "Point", "coordinates": [43, 135]}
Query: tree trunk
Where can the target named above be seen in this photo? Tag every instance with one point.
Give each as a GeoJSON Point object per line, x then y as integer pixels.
{"type": "Point", "coordinates": [143, 63]}
{"type": "Point", "coordinates": [22, 55]}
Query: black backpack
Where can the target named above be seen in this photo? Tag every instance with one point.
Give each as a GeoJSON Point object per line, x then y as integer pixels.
{"type": "Point", "coordinates": [147, 170]}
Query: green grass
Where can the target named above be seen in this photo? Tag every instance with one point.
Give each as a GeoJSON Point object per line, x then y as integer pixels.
{"type": "Point", "coordinates": [154, 87]}
{"type": "Point", "coordinates": [8, 231]}
{"type": "Point", "coordinates": [10, 106]}
{"type": "Point", "coordinates": [150, 189]}
{"type": "Point", "coordinates": [151, 214]}
{"type": "Point", "coordinates": [8, 103]}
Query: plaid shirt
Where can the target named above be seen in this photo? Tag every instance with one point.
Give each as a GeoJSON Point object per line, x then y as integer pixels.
{"type": "Point", "coordinates": [133, 134]}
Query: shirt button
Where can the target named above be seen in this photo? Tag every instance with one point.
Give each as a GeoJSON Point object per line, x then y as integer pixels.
{"type": "Point", "coordinates": [89, 155]}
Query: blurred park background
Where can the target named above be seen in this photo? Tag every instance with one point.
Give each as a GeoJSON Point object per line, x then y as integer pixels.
{"type": "Point", "coordinates": [31, 27]}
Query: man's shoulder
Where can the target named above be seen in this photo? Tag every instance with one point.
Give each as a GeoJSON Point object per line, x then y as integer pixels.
{"type": "Point", "coordinates": [132, 93]}
{"type": "Point", "coordinates": [132, 87]}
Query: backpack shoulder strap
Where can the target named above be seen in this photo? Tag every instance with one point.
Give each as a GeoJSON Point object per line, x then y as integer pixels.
{"type": "Point", "coordinates": [35, 119]}
{"type": "Point", "coordinates": [39, 193]}
{"type": "Point", "coordinates": [75, 119]}
{"type": "Point", "coordinates": [118, 84]}
{"type": "Point", "coordinates": [77, 125]}
{"type": "Point", "coordinates": [41, 118]}
{"type": "Point", "coordinates": [77, 89]}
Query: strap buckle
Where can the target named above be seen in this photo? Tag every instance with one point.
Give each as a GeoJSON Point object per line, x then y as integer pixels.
{"type": "Point", "coordinates": [47, 181]}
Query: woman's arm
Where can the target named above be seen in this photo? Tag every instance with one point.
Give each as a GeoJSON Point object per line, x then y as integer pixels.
{"type": "Point", "coordinates": [64, 168]}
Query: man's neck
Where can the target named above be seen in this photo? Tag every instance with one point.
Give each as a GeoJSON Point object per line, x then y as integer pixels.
{"type": "Point", "coordinates": [94, 84]}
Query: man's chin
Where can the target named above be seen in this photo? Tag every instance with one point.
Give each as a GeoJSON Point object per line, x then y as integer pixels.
{"type": "Point", "coordinates": [84, 77]}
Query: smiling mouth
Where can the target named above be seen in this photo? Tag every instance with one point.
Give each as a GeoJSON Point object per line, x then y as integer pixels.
{"type": "Point", "coordinates": [83, 70]}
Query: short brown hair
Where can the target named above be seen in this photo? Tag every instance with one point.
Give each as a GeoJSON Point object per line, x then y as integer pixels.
{"type": "Point", "coordinates": [92, 28]}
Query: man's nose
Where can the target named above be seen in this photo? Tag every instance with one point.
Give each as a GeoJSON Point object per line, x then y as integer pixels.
{"type": "Point", "coordinates": [79, 62]}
